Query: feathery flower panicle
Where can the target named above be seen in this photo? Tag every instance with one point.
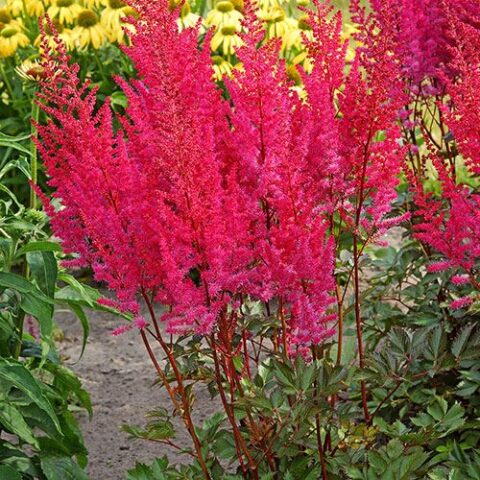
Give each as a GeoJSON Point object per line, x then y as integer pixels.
{"type": "Point", "coordinates": [463, 116]}
{"type": "Point", "coordinates": [461, 302]}
{"type": "Point", "coordinates": [92, 177]}
{"type": "Point", "coordinates": [369, 135]}
{"type": "Point", "coordinates": [325, 163]}
{"type": "Point", "coordinates": [422, 40]}
{"type": "Point", "coordinates": [177, 113]}
{"type": "Point", "coordinates": [270, 137]}
{"type": "Point", "coordinates": [451, 224]}
{"type": "Point", "coordinates": [147, 206]}
{"type": "Point", "coordinates": [460, 279]}
{"type": "Point", "coordinates": [194, 201]}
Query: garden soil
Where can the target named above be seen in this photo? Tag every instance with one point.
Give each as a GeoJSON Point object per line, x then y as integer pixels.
{"type": "Point", "coordinates": [117, 373]}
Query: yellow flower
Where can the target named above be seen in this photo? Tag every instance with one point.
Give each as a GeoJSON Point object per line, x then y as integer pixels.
{"type": "Point", "coordinates": [15, 7]}
{"type": "Point", "coordinates": [187, 19]}
{"type": "Point", "coordinates": [113, 13]}
{"type": "Point", "coordinates": [348, 32]}
{"type": "Point", "coordinates": [227, 38]}
{"type": "Point", "coordinates": [11, 38]}
{"type": "Point", "coordinates": [303, 59]}
{"type": "Point", "coordinates": [89, 31]}
{"type": "Point", "coordinates": [224, 13]}
{"type": "Point", "coordinates": [113, 18]}
{"type": "Point", "coordinates": [278, 25]}
{"type": "Point", "coordinates": [64, 34]}
{"type": "Point", "coordinates": [294, 75]}
{"type": "Point", "coordinates": [5, 17]}
{"type": "Point", "coordinates": [35, 8]}
{"type": "Point", "coordinates": [91, 4]}
{"type": "Point", "coordinates": [268, 4]}
{"type": "Point", "coordinates": [221, 67]}
{"type": "Point", "coordinates": [66, 11]}
{"type": "Point", "coordinates": [30, 70]}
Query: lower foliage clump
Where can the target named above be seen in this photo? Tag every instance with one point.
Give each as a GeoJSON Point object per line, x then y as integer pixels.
{"type": "Point", "coordinates": [304, 419]}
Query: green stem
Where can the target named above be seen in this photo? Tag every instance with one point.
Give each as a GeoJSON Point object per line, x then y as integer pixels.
{"type": "Point", "coordinates": [32, 205]}
{"type": "Point", "coordinates": [18, 344]}
{"type": "Point", "coordinates": [34, 155]}
{"type": "Point", "coordinates": [100, 66]}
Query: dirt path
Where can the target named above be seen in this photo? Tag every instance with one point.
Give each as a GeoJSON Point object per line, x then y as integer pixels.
{"type": "Point", "coordinates": [117, 373]}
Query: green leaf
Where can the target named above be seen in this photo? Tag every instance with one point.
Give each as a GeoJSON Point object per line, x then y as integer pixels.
{"type": "Point", "coordinates": [378, 463]}
{"type": "Point", "coordinates": [16, 374]}
{"type": "Point", "coordinates": [394, 448]}
{"type": "Point", "coordinates": [8, 473]}
{"type": "Point", "coordinates": [43, 246]}
{"type": "Point", "coordinates": [43, 267]}
{"type": "Point", "coordinates": [461, 341]}
{"type": "Point", "coordinates": [16, 282]}
{"type": "Point", "coordinates": [119, 98]}
{"type": "Point", "coordinates": [36, 417]}
{"type": "Point", "coordinates": [83, 292]}
{"type": "Point", "coordinates": [436, 341]}
{"type": "Point", "coordinates": [37, 307]}
{"type": "Point", "coordinates": [67, 383]}
{"type": "Point", "coordinates": [285, 375]}
{"type": "Point", "coordinates": [224, 445]}
{"type": "Point", "coordinates": [143, 472]}
{"type": "Point", "coordinates": [158, 430]}
{"type": "Point", "coordinates": [12, 420]}
{"type": "Point", "coordinates": [238, 363]}
{"type": "Point", "coordinates": [6, 141]}
{"type": "Point", "coordinates": [34, 301]}
{"type": "Point", "coordinates": [11, 455]}
{"type": "Point", "coordinates": [61, 468]}
{"type": "Point", "coordinates": [438, 409]}
{"type": "Point", "coordinates": [306, 378]}
{"type": "Point", "coordinates": [78, 311]}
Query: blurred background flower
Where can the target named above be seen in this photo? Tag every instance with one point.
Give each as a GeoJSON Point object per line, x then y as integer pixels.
{"type": "Point", "coordinates": [92, 31]}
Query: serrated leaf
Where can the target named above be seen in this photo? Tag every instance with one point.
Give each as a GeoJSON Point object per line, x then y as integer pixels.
{"type": "Point", "coordinates": [394, 448]}
{"type": "Point", "coordinates": [238, 363]}
{"type": "Point", "coordinates": [435, 411]}
{"type": "Point", "coordinates": [141, 472]}
{"type": "Point", "coordinates": [378, 463]}
{"type": "Point", "coordinates": [460, 342]}
{"type": "Point", "coordinates": [436, 341]}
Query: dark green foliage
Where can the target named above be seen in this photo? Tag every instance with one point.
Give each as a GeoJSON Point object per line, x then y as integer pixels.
{"type": "Point", "coordinates": [422, 372]}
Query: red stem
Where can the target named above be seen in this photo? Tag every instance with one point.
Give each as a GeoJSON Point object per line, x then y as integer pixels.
{"type": "Point", "coordinates": [239, 441]}
{"type": "Point", "coordinates": [358, 322]}
{"type": "Point", "coordinates": [180, 387]}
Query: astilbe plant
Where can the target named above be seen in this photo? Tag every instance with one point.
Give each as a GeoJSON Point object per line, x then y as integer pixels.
{"type": "Point", "coordinates": [422, 38]}
{"type": "Point", "coordinates": [450, 223]}
{"type": "Point", "coordinates": [435, 46]}
{"type": "Point", "coordinates": [205, 200]}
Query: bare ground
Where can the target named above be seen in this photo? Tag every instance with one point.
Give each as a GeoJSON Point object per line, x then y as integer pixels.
{"type": "Point", "coordinates": [117, 373]}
